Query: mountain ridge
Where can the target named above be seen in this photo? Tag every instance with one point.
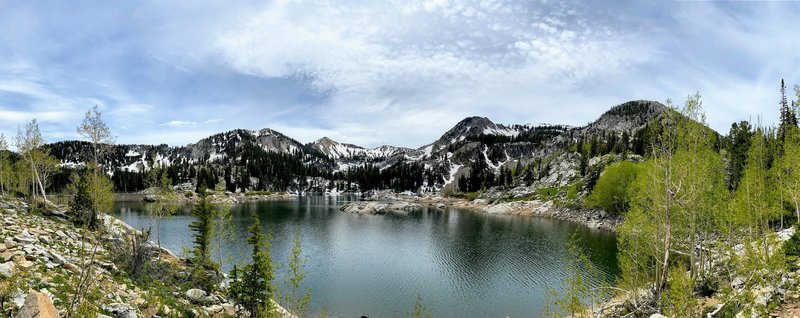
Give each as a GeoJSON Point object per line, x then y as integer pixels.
{"type": "Point", "coordinates": [473, 144]}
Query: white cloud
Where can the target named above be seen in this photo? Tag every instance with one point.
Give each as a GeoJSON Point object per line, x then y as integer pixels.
{"type": "Point", "coordinates": [387, 62]}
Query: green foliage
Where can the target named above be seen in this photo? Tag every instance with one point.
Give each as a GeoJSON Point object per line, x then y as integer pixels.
{"type": "Point", "coordinates": [791, 248]}
{"type": "Point", "coordinates": [787, 171]}
{"type": "Point", "coordinates": [93, 194]}
{"type": "Point", "coordinates": [737, 144]}
{"type": "Point", "coordinates": [252, 287]}
{"type": "Point", "coordinates": [678, 300]}
{"type": "Point", "coordinates": [203, 227]}
{"type": "Point", "coordinates": [580, 271]}
{"type": "Point", "coordinates": [292, 300]}
{"type": "Point", "coordinates": [675, 203]}
{"type": "Point", "coordinates": [612, 192]}
{"type": "Point", "coordinates": [419, 310]}
{"type": "Point", "coordinates": [166, 205]}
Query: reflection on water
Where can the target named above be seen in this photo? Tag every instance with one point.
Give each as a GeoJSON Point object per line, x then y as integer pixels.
{"type": "Point", "coordinates": [462, 263]}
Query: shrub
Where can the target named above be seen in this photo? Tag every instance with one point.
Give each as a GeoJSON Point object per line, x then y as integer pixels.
{"type": "Point", "coordinates": [791, 248]}
{"type": "Point", "coordinates": [612, 190]}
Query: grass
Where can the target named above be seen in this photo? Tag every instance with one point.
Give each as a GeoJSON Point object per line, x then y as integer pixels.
{"type": "Point", "coordinates": [253, 193]}
{"type": "Point", "coordinates": [471, 196]}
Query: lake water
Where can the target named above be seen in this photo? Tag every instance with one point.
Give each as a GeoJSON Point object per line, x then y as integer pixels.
{"type": "Point", "coordinates": [461, 263]}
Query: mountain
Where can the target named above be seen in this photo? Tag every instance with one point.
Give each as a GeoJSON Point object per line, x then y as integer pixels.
{"type": "Point", "coordinates": [473, 154]}
{"type": "Point", "coordinates": [346, 155]}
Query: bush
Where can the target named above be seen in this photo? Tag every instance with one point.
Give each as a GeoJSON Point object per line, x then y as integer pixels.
{"type": "Point", "coordinates": [612, 190]}
{"type": "Point", "coordinates": [791, 248]}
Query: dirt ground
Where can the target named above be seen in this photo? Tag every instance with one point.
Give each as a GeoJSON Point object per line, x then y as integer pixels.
{"type": "Point", "coordinates": [787, 310]}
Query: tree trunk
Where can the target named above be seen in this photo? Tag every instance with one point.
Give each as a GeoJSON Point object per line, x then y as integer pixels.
{"type": "Point", "coordinates": [667, 234]}
{"type": "Point", "coordinates": [41, 185]}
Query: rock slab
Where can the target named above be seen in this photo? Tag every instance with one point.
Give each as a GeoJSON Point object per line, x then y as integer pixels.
{"type": "Point", "coordinates": [37, 305]}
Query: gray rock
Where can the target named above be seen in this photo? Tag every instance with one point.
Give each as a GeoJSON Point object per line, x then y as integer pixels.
{"type": "Point", "coordinates": [57, 258]}
{"type": "Point", "coordinates": [737, 283]}
{"type": "Point", "coordinates": [7, 269]}
{"type": "Point", "coordinates": [214, 309]}
{"type": "Point", "coordinates": [372, 207]}
{"type": "Point", "coordinates": [18, 299]}
{"type": "Point", "coordinates": [657, 316]}
{"type": "Point", "coordinates": [25, 238]}
{"type": "Point", "coordinates": [196, 296]}
{"type": "Point", "coordinates": [121, 310]}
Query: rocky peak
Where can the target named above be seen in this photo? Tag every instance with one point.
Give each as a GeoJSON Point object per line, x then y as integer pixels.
{"type": "Point", "coordinates": [628, 116]}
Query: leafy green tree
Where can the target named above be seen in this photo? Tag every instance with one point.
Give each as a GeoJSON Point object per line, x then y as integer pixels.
{"type": "Point", "coordinates": [95, 130]}
{"type": "Point", "coordinates": [788, 167]}
{"type": "Point", "coordinates": [580, 272]}
{"type": "Point", "coordinates": [752, 203]}
{"type": "Point", "coordinates": [224, 232]}
{"type": "Point", "coordinates": [679, 300]}
{"type": "Point", "coordinates": [165, 206]}
{"type": "Point", "coordinates": [680, 183]}
{"type": "Point", "coordinates": [253, 288]}
{"type": "Point", "coordinates": [29, 143]}
{"type": "Point", "coordinates": [294, 302]}
{"type": "Point", "coordinates": [611, 193]}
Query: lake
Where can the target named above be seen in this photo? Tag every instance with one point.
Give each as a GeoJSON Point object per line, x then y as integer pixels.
{"type": "Point", "coordinates": [461, 263]}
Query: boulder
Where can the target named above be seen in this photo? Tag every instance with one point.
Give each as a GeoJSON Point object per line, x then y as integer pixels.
{"type": "Point", "coordinates": [657, 316]}
{"type": "Point", "coordinates": [72, 268]}
{"type": "Point", "coordinates": [214, 309]}
{"type": "Point", "coordinates": [7, 269]}
{"type": "Point", "coordinates": [37, 305]}
{"type": "Point", "coordinates": [25, 238]}
{"type": "Point", "coordinates": [196, 296]}
{"type": "Point", "coordinates": [372, 207]}
{"type": "Point", "coordinates": [121, 310]}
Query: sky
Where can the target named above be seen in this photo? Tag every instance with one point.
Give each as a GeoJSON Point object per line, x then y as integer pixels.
{"type": "Point", "coordinates": [398, 72]}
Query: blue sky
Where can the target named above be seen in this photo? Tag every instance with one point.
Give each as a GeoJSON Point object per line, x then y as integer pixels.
{"type": "Point", "coordinates": [382, 72]}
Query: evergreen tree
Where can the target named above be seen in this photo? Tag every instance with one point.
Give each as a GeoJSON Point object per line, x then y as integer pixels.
{"type": "Point", "coordinates": [203, 226]}
{"type": "Point", "coordinates": [253, 290]}
{"type": "Point", "coordinates": [737, 145]}
{"type": "Point", "coordinates": [788, 116]}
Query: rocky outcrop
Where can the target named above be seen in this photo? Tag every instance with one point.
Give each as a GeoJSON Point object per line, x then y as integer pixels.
{"type": "Point", "coordinates": [596, 219]}
{"type": "Point", "coordinates": [374, 207]}
{"type": "Point", "coordinates": [38, 305]}
{"type": "Point", "coordinates": [48, 253]}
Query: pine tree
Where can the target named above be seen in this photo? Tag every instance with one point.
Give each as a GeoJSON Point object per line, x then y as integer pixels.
{"type": "Point", "coordinates": [203, 227]}
{"type": "Point", "coordinates": [253, 291]}
{"type": "Point", "coordinates": [788, 117]}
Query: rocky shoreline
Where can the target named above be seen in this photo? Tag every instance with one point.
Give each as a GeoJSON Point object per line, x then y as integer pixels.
{"type": "Point", "coordinates": [43, 257]}
{"type": "Point", "coordinates": [389, 201]}
{"type": "Point", "coordinates": [214, 197]}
